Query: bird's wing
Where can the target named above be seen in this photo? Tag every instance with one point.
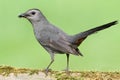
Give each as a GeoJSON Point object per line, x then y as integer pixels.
{"type": "Point", "coordinates": [57, 41]}
{"type": "Point", "coordinates": [62, 45]}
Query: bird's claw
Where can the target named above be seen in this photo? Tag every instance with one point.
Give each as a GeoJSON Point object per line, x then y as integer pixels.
{"type": "Point", "coordinates": [46, 71]}
{"type": "Point", "coordinates": [66, 70]}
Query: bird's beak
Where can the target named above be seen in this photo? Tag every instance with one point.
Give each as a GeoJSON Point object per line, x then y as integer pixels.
{"type": "Point", "coordinates": [24, 15]}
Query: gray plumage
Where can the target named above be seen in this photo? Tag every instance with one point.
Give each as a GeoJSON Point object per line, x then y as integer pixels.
{"type": "Point", "coordinates": [53, 39]}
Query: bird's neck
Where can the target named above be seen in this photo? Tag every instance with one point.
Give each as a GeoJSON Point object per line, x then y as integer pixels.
{"type": "Point", "coordinates": [38, 26]}
{"type": "Point", "coordinates": [39, 23]}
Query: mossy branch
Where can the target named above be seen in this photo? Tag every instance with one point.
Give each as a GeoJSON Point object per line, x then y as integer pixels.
{"type": "Point", "coordinates": [6, 71]}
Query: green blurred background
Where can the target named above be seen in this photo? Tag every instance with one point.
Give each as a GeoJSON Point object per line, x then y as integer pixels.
{"type": "Point", "coordinates": [19, 48]}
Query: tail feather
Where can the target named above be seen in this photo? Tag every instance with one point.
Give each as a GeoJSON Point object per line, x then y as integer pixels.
{"type": "Point", "coordinates": [91, 31]}
{"type": "Point", "coordinates": [81, 36]}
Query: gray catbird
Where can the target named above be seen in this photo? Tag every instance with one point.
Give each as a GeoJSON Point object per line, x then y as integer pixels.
{"type": "Point", "coordinates": [53, 39]}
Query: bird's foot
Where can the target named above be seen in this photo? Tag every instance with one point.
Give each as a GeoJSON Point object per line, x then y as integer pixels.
{"type": "Point", "coordinates": [66, 70]}
{"type": "Point", "coordinates": [46, 71]}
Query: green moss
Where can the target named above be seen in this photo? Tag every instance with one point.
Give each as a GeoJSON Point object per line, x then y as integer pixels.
{"type": "Point", "coordinates": [6, 70]}
{"type": "Point", "coordinates": [61, 75]}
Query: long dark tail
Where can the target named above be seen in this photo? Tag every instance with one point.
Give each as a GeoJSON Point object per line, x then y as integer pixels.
{"type": "Point", "coordinates": [78, 38]}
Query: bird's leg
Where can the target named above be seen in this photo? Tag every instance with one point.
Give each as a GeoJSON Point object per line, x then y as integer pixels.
{"type": "Point", "coordinates": [49, 65]}
{"type": "Point", "coordinates": [52, 60]}
{"type": "Point", "coordinates": [67, 68]}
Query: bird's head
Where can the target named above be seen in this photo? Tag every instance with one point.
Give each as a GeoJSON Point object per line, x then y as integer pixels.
{"type": "Point", "coordinates": [33, 15]}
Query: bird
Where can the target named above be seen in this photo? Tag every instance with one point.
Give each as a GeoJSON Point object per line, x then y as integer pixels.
{"type": "Point", "coordinates": [56, 41]}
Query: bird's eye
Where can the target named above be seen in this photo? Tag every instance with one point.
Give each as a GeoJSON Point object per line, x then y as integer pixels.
{"type": "Point", "coordinates": [33, 13]}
